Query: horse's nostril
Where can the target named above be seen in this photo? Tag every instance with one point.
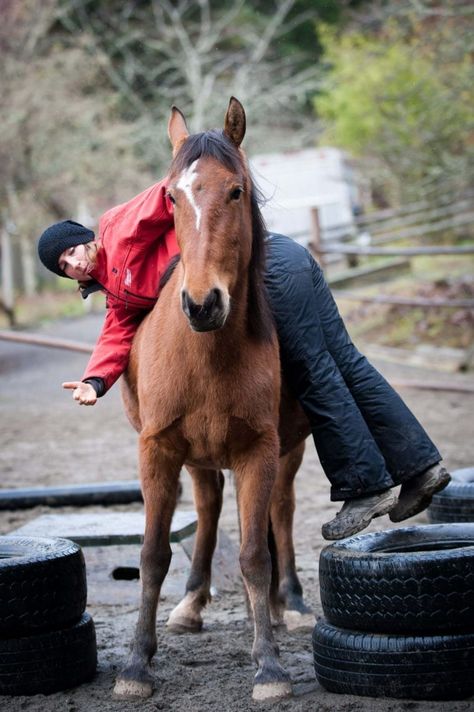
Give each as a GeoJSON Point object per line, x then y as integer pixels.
{"type": "Point", "coordinates": [213, 300]}
{"type": "Point", "coordinates": [184, 302]}
{"type": "Point", "coordinates": [209, 312]}
{"type": "Point", "coordinates": [189, 306]}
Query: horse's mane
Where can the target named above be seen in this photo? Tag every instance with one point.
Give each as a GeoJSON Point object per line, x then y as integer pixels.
{"type": "Point", "coordinates": [169, 270]}
{"type": "Point", "coordinates": [214, 144]}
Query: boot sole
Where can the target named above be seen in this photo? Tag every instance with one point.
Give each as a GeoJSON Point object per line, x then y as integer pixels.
{"type": "Point", "coordinates": [423, 500]}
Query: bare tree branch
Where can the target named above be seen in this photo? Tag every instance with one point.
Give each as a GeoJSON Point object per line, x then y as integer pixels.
{"type": "Point", "coordinates": [190, 51]}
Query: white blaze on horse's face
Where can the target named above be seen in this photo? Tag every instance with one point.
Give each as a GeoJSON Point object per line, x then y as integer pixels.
{"type": "Point", "coordinates": [205, 297]}
{"type": "Point", "coordinates": [185, 183]}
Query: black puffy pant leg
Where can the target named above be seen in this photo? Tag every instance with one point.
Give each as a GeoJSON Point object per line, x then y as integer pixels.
{"type": "Point", "coordinates": [366, 438]}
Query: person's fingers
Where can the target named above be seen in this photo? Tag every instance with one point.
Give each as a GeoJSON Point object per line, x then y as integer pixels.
{"type": "Point", "coordinates": [84, 393]}
{"type": "Point", "coordinates": [71, 384]}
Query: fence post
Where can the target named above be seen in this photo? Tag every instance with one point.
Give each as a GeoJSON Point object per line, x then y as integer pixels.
{"type": "Point", "coordinates": [315, 237]}
{"type": "Point", "coordinates": [27, 265]}
{"type": "Point", "coordinates": [8, 292]}
{"type": "Point", "coordinates": [84, 217]}
{"type": "Point", "coordinates": [352, 260]}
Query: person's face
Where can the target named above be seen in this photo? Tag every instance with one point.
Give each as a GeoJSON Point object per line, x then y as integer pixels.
{"type": "Point", "coordinates": [76, 263]}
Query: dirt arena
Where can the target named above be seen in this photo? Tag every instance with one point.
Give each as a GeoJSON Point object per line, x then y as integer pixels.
{"type": "Point", "coordinates": [46, 439]}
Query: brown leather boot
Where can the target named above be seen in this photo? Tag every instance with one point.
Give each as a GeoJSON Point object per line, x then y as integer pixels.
{"type": "Point", "coordinates": [416, 494]}
{"type": "Point", "coordinates": [356, 514]}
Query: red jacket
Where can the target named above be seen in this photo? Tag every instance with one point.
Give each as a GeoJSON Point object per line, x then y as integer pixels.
{"type": "Point", "coordinates": [137, 242]}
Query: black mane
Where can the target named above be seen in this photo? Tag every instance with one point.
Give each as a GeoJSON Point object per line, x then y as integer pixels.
{"type": "Point", "coordinates": [214, 144]}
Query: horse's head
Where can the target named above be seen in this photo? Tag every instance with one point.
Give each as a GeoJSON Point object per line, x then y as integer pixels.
{"type": "Point", "coordinates": [211, 190]}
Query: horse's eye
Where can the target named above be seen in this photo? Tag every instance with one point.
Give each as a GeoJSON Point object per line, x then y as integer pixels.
{"type": "Point", "coordinates": [171, 198]}
{"type": "Point", "coordinates": [236, 193]}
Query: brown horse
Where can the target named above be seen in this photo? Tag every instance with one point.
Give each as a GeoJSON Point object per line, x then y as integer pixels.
{"type": "Point", "coordinates": [203, 390]}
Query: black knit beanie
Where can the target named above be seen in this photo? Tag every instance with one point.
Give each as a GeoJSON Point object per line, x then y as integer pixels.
{"type": "Point", "coordinates": [57, 238]}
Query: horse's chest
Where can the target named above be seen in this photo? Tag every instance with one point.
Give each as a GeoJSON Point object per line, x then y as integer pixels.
{"type": "Point", "coordinates": [216, 441]}
{"type": "Point", "coordinates": [206, 436]}
{"type": "Point", "coordinates": [213, 413]}
{"type": "Point", "coordinates": [208, 397]}
{"type": "Point", "coordinates": [223, 419]}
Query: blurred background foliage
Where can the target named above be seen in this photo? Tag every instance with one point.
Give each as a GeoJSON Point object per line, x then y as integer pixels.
{"type": "Point", "coordinates": [86, 87]}
{"type": "Point", "coordinates": [404, 97]}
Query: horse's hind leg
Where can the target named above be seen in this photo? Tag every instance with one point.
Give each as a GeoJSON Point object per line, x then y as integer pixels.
{"type": "Point", "coordinates": [159, 471]}
{"type": "Point", "coordinates": [207, 487]}
{"type": "Point", "coordinates": [254, 480]}
{"type": "Point", "coordinates": [295, 613]}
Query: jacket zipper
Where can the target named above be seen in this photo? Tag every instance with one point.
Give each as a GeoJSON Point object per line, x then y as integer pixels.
{"type": "Point", "coordinates": [139, 296]}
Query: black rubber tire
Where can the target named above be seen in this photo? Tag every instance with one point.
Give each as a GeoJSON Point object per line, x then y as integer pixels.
{"type": "Point", "coordinates": [456, 502]}
{"type": "Point", "coordinates": [42, 584]}
{"type": "Point", "coordinates": [49, 662]}
{"type": "Point", "coordinates": [410, 580]}
{"type": "Point", "coordinates": [377, 665]}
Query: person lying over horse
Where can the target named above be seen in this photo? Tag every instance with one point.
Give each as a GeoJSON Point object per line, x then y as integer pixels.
{"type": "Point", "coordinates": [367, 439]}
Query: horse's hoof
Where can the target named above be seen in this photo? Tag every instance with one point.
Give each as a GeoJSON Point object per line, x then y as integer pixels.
{"type": "Point", "coordinates": [132, 689]}
{"type": "Point", "coordinates": [294, 620]}
{"type": "Point", "coordinates": [182, 624]}
{"type": "Point", "coordinates": [268, 691]}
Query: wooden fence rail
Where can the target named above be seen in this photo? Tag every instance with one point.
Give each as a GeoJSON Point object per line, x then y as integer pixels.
{"type": "Point", "coordinates": [411, 208]}
{"type": "Point", "coordinates": [391, 226]}
{"type": "Point", "coordinates": [344, 249]}
{"type": "Point", "coordinates": [427, 216]}
{"type": "Point", "coordinates": [51, 342]}
{"type": "Point", "coordinates": [404, 301]}
{"type": "Point", "coordinates": [425, 229]}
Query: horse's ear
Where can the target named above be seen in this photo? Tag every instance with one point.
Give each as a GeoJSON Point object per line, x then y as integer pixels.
{"type": "Point", "coordinates": [234, 126]}
{"type": "Point", "coordinates": [177, 129]}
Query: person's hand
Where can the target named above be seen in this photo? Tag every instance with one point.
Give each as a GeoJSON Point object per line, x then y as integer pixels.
{"type": "Point", "coordinates": [84, 393]}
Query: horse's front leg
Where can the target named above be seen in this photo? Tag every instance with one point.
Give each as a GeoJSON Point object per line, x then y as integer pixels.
{"type": "Point", "coordinates": [207, 488]}
{"type": "Point", "coordinates": [159, 473]}
{"type": "Point", "coordinates": [255, 478]}
{"type": "Point", "coordinates": [295, 613]}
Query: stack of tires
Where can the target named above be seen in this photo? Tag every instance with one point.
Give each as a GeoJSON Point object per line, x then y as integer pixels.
{"type": "Point", "coordinates": [47, 641]}
{"type": "Point", "coordinates": [399, 609]}
{"type": "Point", "coordinates": [455, 503]}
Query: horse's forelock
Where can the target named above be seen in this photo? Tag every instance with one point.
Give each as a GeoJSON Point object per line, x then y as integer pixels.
{"type": "Point", "coordinates": [208, 144]}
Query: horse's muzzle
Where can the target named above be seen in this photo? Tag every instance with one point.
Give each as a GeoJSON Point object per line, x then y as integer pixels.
{"type": "Point", "coordinates": [208, 316]}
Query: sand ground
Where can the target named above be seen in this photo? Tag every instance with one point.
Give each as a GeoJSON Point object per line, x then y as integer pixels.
{"type": "Point", "coordinates": [46, 439]}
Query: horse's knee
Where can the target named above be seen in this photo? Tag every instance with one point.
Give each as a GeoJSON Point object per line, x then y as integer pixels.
{"type": "Point", "coordinates": [255, 563]}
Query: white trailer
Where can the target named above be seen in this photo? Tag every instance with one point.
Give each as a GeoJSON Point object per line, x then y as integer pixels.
{"type": "Point", "coordinates": [306, 187]}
